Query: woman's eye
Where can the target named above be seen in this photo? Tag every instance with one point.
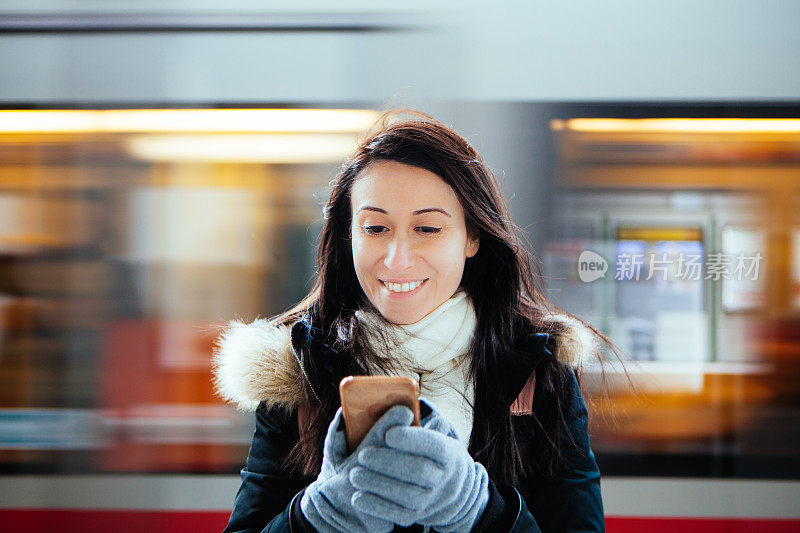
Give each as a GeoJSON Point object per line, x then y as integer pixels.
{"type": "Point", "coordinates": [428, 229]}
{"type": "Point", "coordinates": [372, 230]}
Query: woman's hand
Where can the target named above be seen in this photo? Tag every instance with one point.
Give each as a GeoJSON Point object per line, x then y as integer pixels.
{"type": "Point", "coordinates": [327, 502]}
{"type": "Point", "coordinates": [421, 475]}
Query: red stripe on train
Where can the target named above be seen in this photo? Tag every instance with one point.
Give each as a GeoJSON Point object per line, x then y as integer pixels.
{"type": "Point", "coordinates": [701, 525]}
{"type": "Point", "coordinates": [71, 520]}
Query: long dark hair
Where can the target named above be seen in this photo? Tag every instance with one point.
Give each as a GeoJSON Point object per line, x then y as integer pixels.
{"type": "Point", "coordinates": [503, 280]}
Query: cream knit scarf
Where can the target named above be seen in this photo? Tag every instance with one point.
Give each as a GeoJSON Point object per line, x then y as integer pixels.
{"type": "Point", "coordinates": [434, 351]}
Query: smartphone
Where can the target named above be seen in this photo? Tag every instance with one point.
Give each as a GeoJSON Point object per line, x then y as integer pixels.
{"type": "Point", "coordinates": [366, 398]}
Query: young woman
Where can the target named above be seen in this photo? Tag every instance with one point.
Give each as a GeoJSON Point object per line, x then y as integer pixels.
{"type": "Point", "coordinates": [420, 273]}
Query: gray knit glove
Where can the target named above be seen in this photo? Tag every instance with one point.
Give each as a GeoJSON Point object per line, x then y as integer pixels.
{"type": "Point", "coordinates": [327, 502]}
{"type": "Point", "coordinates": [421, 475]}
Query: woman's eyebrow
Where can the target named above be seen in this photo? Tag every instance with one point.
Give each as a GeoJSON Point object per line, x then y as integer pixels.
{"type": "Point", "coordinates": [417, 212]}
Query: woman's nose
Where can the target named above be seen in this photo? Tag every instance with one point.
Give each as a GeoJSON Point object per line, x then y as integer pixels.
{"type": "Point", "coordinates": [399, 256]}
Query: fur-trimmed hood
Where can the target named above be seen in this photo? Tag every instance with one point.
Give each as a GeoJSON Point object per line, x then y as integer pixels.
{"type": "Point", "coordinates": [257, 362]}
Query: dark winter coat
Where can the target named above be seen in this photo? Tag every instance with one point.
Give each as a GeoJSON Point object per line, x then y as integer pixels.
{"type": "Point", "coordinates": [264, 367]}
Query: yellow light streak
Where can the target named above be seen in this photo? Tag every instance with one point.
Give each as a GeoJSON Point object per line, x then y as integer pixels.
{"type": "Point", "coordinates": [186, 120]}
{"type": "Point", "coordinates": [243, 148]}
{"type": "Point", "coordinates": [678, 125]}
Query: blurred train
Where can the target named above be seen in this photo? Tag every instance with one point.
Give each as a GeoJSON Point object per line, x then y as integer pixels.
{"type": "Point", "coordinates": [163, 173]}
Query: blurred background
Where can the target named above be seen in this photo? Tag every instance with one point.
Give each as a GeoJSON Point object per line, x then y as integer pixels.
{"type": "Point", "coordinates": [163, 171]}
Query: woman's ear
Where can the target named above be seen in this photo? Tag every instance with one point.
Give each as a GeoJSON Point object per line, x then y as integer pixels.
{"type": "Point", "coordinates": [472, 246]}
{"type": "Point", "coordinates": [473, 239]}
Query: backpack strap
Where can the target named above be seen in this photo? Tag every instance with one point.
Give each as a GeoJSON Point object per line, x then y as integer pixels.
{"type": "Point", "coordinates": [524, 402]}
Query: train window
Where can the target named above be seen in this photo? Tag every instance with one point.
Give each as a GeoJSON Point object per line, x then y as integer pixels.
{"type": "Point", "coordinates": [659, 309]}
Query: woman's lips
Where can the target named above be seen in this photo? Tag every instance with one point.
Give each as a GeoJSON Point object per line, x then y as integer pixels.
{"type": "Point", "coordinates": [403, 294]}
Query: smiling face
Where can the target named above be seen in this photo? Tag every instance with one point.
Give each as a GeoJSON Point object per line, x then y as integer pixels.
{"type": "Point", "coordinates": [407, 227]}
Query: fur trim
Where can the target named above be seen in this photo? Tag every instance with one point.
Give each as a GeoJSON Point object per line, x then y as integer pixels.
{"type": "Point", "coordinates": [576, 344]}
{"type": "Point", "coordinates": [255, 362]}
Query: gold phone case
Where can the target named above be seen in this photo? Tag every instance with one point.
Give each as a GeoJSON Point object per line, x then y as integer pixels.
{"type": "Point", "coordinates": [366, 398]}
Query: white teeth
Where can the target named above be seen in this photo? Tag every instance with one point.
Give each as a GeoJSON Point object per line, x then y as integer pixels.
{"type": "Point", "coordinates": [404, 287]}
